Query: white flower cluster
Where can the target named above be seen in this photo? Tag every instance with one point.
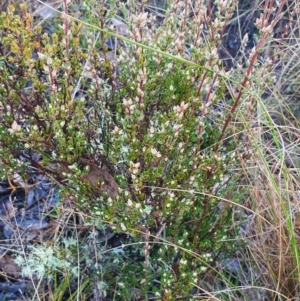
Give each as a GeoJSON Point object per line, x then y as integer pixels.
{"type": "Point", "coordinates": [179, 110]}
{"type": "Point", "coordinates": [129, 105]}
{"type": "Point", "coordinates": [140, 23]}
{"type": "Point", "coordinates": [177, 128]}
{"type": "Point", "coordinates": [223, 4]}
{"type": "Point", "coordinates": [134, 169]}
{"type": "Point", "coordinates": [15, 127]}
{"type": "Point", "coordinates": [155, 152]}
{"type": "Point", "coordinates": [142, 76]}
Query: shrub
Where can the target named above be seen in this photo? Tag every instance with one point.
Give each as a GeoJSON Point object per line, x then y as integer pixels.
{"type": "Point", "coordinates": [160, 116]}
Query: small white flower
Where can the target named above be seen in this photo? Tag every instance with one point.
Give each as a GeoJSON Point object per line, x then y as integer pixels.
{"type": "Point", "coordinates": [134, 167]}
{"type": "Point", "coordinates": [143, 19]}
{"type": "Point", "coordinates": [14, 128]}
{"type": "Point", "coordinates": [180, 109]}
{"type": "Point", "coordinates": [41, 55]}
{"type": "Point", "coordinates": [127, 103]}
{"type": "Point", "coordinates": [155, 153]}
{"type": "Point", "coordinates": [177, 127]}
{"type": "Point", "coordinates": [183, 261]}
{"type": "Point", "coordinates": [117, 130]}
{"type": "Point", "coordinates": [170, 65]}
{"type": "Point", "coordinates": [46, 69]}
